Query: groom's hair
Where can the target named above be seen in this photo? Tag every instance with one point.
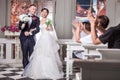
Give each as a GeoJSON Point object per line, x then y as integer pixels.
{"type": "Point", "coordinates": [32, 5]}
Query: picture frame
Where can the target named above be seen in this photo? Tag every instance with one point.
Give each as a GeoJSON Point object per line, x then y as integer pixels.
{"type": "Point", "coordinates": [97, 7]}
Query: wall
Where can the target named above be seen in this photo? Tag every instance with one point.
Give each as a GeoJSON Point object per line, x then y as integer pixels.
{"type": "Point", "coordinates": [2, 14]}
{"type": "Point", "coordinates": [113, 11]}
{"type": "Point", "coordinates": [65, 10]}
{"type": "Point", "coordinates": [117, 14]}
{"type": "Point", "coordinates": [64, 14]}
{"type": "Point", "coordinates": [63, 17]}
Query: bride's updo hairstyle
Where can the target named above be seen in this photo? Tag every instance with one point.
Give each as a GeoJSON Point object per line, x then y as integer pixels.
{"type": "Point", "coordinates": [45, 9]}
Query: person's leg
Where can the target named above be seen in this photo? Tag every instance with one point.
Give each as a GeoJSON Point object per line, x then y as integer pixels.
{"type": "Point", "coordinates": [24, 47]}
{"type": "Point", "coordinates": [31, 47]}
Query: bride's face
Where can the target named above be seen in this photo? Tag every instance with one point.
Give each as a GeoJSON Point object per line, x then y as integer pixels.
{"type": "Point", "coordinates": [44, 13]}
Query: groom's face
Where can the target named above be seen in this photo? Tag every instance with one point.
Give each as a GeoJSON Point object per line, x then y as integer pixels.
{"type": "Point", "coordinates": [32, 10]}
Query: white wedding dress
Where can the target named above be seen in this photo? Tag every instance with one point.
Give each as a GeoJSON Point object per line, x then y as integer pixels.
{"type": "Point", "coordinates": [44, 61]}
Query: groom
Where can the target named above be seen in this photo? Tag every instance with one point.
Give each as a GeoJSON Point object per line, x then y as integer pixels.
{"type": "Point", "coordinates": [28, 31]}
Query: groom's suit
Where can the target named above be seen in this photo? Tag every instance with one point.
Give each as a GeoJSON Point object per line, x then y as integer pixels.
{"type": "Point", "coordinates": [28, 42]}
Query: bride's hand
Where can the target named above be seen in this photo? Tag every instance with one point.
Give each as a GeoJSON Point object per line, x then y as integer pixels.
{"type": "Point", "coordinates": [49, 28]}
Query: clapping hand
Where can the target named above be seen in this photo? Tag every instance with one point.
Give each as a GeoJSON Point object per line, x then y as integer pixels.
{"type": "Point", "coordinates": [77, 25]}
{"type": "Point", "coordinates": [91, 18]}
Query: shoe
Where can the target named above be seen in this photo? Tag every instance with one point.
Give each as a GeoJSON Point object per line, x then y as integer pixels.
{"type": "Point", "coordinates": [22, 75]}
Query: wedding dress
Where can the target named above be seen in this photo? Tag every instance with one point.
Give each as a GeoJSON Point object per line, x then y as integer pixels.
{"type": "Point", "coordinates": [44, 61]}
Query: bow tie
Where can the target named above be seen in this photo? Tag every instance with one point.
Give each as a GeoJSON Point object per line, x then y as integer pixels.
{"type": "Point", "coordinates": [30, 15]}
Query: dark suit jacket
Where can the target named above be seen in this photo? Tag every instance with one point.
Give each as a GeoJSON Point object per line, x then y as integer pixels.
{"type": "Point", "coordinates": [34, 25]}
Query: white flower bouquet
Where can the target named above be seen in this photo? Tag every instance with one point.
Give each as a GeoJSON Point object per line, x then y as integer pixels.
{"type": "Point", "coordinates": [24, 18]}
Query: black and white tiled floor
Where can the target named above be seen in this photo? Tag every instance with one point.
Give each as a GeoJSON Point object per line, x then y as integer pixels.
{"type": "Point", "coordinates": [13, 72]}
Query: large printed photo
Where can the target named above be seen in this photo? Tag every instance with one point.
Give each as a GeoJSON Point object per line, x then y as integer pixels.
{"type": "Point", "coordinates": [97, 7]}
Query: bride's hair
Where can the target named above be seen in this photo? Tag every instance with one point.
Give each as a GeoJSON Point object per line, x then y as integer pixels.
{"type": "Point", "coordinates": [45, 9]}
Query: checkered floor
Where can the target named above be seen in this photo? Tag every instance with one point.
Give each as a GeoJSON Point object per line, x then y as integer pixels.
{"type": "Point", "coordinates": [13, 72]}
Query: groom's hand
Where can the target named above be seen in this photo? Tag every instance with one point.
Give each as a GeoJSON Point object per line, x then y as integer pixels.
{"type": "Point", "coordinates": [31, 30]}
{"type": "Point", "coordinates": [23, 25]}
{"type": "Point", "coordinates": [26, 33]}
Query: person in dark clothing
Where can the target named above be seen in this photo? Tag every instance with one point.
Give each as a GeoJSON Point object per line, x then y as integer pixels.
{"type": "Point", "coordinates": [110, 36]}
{"type": "Point", "coordinates": [28, 31]}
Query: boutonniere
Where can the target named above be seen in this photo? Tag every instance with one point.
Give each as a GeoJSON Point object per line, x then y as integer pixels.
{"type": "Point", "coordinates": [34, 18]}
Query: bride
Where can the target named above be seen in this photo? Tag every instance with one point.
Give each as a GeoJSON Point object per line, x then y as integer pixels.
{"type": "Point", "coordinates": [44, 61]}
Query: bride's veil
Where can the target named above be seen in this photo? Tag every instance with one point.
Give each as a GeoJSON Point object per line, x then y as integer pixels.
{"type": "Point", "coordinates": [53, 33]}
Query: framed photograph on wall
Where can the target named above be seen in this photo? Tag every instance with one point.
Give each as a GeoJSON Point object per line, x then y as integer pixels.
{"type": "Point", "coordinates": [97, 7]}
{"type": "Point", "coordinates": [19, 7]}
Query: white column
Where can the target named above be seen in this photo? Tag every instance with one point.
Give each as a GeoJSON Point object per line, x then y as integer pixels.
{"type": "Point", "coordinates": [1, 52]}
{"type": "Point", "coordinates": [69, 62]}
{"type": "Point", "coordinates": [17, 51]}
{"type": "Point", "coordinates": [8, 51]}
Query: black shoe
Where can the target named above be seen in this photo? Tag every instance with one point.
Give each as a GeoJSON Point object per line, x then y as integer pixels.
{"type": "Point", "coordinates": [22, 75]}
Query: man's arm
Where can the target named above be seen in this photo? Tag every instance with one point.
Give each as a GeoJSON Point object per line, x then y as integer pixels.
{"type": "Point", "coordinates": [36, 29]}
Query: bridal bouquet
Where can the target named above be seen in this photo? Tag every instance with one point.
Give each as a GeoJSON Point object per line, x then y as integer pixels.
{"type": "Point", "coordinates": [24, 18]}
{"type": "Point", "coordinates": [48, 22]}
